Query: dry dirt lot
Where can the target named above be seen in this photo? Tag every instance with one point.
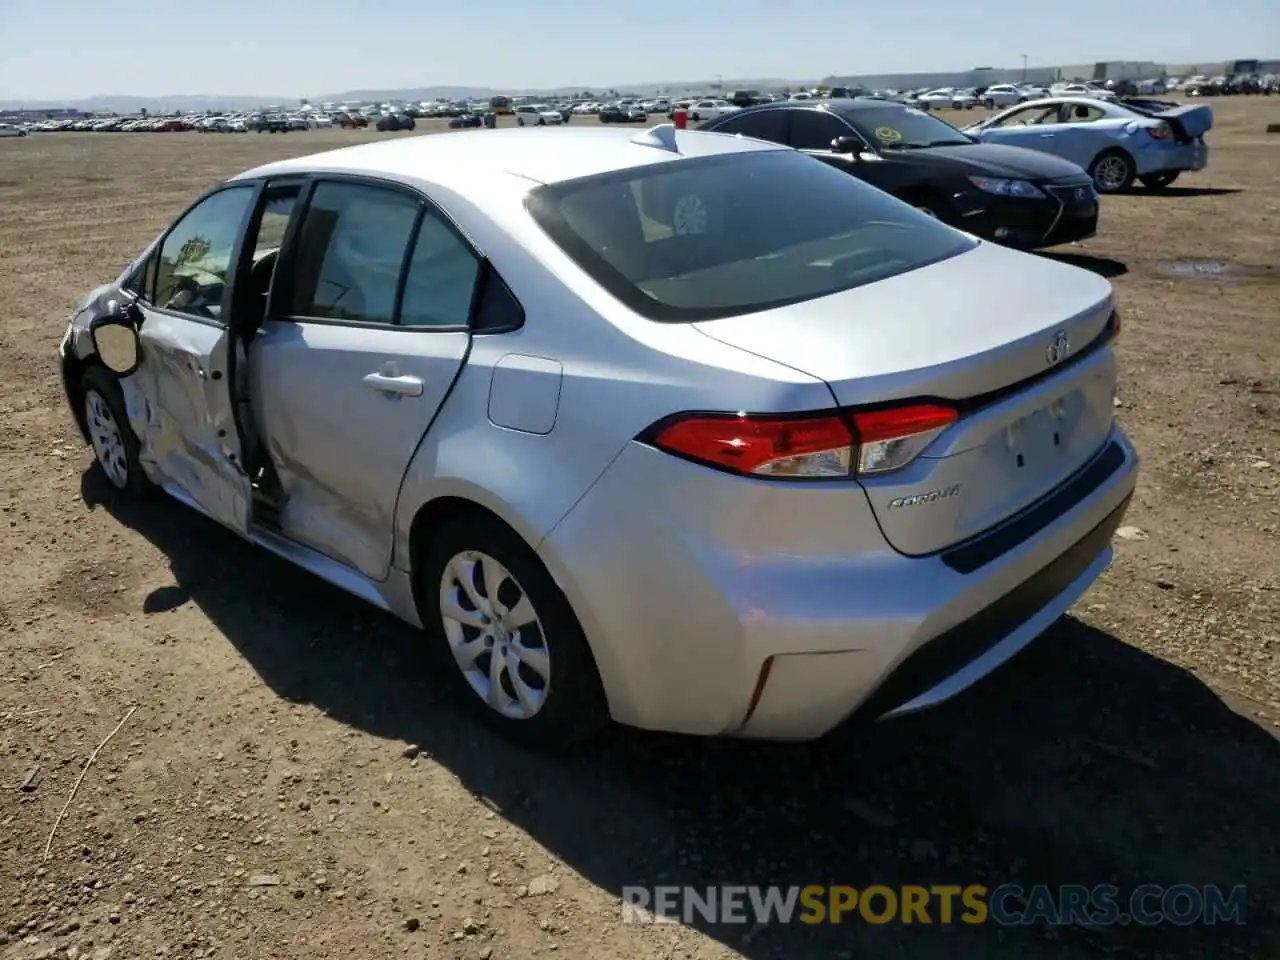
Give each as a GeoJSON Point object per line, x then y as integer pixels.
{"type": "Point", "coordinates": [1135, 743]}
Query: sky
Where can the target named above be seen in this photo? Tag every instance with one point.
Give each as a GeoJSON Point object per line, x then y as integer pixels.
{"type": "Point", "coordinates": [68, 49]}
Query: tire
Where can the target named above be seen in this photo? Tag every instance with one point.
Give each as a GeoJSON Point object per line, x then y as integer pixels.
{"type": "Point", "coordinates": [1158, 181]}
{"type": "Point", "coordinates": [989, 104]}
{"type": "Point", "coordinates": [570, 703]}
{"type": "Point", "coordinates": [1112, 171]}
{"type": "Point", "coordinates": [519, 121]}
{"type": "Point", "coordinates": [542, 121]}
{"type": "Point", "coordinates": [115, 448]}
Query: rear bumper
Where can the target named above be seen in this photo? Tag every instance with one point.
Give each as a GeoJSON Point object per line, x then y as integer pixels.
{"type": "Point", "coordinates": [1172, 157]}
{"type": "Point", "coordinates": [720, 606]}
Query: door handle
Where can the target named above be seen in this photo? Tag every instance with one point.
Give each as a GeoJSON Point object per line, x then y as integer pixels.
{"type": "Point", "coordinates": [404, 386]}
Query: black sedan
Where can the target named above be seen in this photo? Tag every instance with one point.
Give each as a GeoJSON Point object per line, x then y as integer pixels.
{"type": "Point", "coordinates": [395, 121]}
{"type": "Point", "coordinates": [1011, 195]}
{"type": "Point", "coordinates": [466, 120]}
{"type": "Point", "coordinates": [613, 113]}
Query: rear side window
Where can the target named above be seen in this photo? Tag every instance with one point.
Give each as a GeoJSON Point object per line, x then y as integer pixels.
{"type": "Point", "coordinates": [717, 236]}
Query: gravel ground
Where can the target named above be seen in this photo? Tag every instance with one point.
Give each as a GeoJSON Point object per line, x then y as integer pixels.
{"type": "Point", "coordinates": [292, 783]}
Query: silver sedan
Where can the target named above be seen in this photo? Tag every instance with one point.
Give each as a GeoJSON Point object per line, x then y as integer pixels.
{"type": "Point", "coordinates": [682, 429]}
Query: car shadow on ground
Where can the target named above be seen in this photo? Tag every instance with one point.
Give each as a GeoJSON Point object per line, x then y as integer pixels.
{"type": "Point", "coordinates": [1084, 761]}
{"type": "Point", "coordinates": [1102, 266]}
{"type": "Point", "coordinates": [1172, 191]}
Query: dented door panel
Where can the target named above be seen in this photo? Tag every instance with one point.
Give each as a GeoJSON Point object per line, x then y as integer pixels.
{"type": "Point", "coordinates": [179, 405]}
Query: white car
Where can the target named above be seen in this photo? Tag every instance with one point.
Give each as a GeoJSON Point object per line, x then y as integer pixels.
{"type": "Point", "coordinates": [1082, 90]}
{"type": "Point", "coordinates": [947, 98]}
{"type": "Point", "coordinates": [8, 130]}
{"type": "Point", "coordinates": [537, 115]}
{"type": "Point", "coordinates": [1003, 95]}
{"type": "Point", "coordinates": [701, 110]}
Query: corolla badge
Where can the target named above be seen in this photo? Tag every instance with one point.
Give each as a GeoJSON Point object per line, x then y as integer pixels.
{"type": "Point", "coordinates": [945, 493]}
{"type": "Point", "coordinates": [1059, 349]}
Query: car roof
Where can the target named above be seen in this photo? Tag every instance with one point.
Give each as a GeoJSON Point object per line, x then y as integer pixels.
{"type": "Point", "coordinates": [842, 105]}
{"type": "Point", "coordinates": [543, 155]}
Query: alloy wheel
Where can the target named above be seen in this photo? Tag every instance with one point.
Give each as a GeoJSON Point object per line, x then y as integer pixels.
{"type": "Point", "coordinates": [1110, 173]}
{"type": "Point", "coordinates": [495, 635]}
{"type": "Point", "coordinates": [107, 437]}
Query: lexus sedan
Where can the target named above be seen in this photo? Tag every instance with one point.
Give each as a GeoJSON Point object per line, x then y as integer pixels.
{"type": "Point", "coordinates": [685, 430]}
{"type": "Point", "coordinates": [1018, 197]}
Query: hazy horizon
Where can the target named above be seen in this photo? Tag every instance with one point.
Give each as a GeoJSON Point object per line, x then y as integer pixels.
{"type": "Point", "coordinates": [61, 52]}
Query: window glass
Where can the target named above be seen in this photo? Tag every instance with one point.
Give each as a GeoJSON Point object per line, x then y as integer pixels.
{"type": "Point", "coordinates": [892, 127]}
{"type": "Point", "coordinates": [191, 271]}
{"type": "Point", "coordinates": [814, 130]}
{"type": "Point", "coordinates": [1081, 113]}
{"type": "Point", "coordinates": [768, 125]}
{"type": "Point", "coordinates": [350, 251]}
{"type": "Point", "coordinates": [737, 233]}
{"type": "Point", "coordinates": [441, 278]}
{"type": "Point", "coordinates": [1029, 116]}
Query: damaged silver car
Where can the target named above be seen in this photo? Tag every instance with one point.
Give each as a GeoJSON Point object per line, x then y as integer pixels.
{"type": "Point", "coordinates": [686, 430]}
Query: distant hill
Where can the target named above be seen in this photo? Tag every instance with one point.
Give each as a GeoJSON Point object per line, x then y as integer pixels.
{"type": "Point", "coordinates": [123, 103]}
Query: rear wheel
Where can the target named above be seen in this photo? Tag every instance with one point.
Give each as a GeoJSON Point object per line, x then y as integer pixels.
{"type": "Point", "coordinates": [1158, 181]}
{"type": "Point", "coordinates": [1112, 172]}
{"type": "Point", "coordinates": [507, 634]}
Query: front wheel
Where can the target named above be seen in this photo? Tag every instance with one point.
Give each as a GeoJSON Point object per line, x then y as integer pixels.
{"type": "Point", "coordinates": [115, 448]}
{"type": "Point", "coordinates": [1158, 181]}
{"type": "Point", "coordinates": [507, 634]}
{"type": "Point", "coordinates": [1112, 172]}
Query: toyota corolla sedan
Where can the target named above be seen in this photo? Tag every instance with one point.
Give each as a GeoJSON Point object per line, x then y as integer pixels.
{"type": "Point", "coordinates": [689, 431]}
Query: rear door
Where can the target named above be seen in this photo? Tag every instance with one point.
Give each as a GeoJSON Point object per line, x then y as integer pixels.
{"type": "Point", "coordinates": [365, 333]}
{"type": "Point", "coordinates": [185, 415]}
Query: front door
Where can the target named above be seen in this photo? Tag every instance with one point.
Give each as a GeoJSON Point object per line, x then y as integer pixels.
{"type": "Point", "coordinates": [180, 399]}
{"type": "Point", "coordinates": [364, 336]}
{"type": "Point", "coordinates": [1034, 127]}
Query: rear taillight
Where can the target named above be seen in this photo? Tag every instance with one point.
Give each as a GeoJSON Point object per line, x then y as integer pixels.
{"type": "Point", "coordinates": [890, 439]}
{"type": "Point", "coordinates": [839, 444]}
{"type": "Point", "coordinates": [1161, 131]}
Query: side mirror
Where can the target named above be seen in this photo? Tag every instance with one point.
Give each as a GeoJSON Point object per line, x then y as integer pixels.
{"type": "Point", "coordinates": [851, 145]}
{"type": "Point", "coordinates": [115, 340]}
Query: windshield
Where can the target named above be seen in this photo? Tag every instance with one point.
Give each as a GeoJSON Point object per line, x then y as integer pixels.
{"type": "Point", "coordinates": [903, 128]}
{"type": "Point", "coordinates": [697, 239]}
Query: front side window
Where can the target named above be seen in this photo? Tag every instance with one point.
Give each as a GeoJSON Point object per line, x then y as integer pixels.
{"type": "Point", "coordinates": [350, 250]}
{"type": "Point", "coordinates": [195, 257]}
{"type": "Point", "coordinates": [1028, 117]}
{"type": "Point", "coordinates": [703, 238]}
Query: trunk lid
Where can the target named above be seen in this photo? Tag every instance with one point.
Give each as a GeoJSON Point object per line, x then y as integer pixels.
{"type": "Point", "coordinates": [969, 327]}
{"type": "Point", "coordinates": [1189, 122]}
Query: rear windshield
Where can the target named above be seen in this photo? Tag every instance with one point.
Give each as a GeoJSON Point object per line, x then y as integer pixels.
{"type": "Point", "coordinates": [711, 237]}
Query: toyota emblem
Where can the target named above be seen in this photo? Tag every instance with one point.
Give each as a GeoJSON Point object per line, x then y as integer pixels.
{"type": "Point", "coordinates": [1081, 193]}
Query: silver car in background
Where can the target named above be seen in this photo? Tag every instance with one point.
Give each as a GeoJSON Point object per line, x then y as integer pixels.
{"type": "Point", "coordinates": [683, 429]}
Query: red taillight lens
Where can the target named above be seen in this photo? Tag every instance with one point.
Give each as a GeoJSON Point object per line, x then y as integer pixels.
{"type": "Point", "coordinates": [817, 446]}
{"type": "Point", "coordinates": [1161, 132]}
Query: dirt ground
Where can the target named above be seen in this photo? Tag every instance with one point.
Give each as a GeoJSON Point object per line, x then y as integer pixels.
{"type": "Point", "coordinates": [284, 729]}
